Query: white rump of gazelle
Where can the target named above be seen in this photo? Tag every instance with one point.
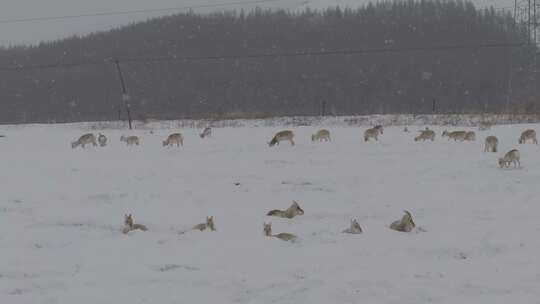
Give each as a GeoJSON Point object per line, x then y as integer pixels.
{"type": "Point", "coordinates": [84, 140]}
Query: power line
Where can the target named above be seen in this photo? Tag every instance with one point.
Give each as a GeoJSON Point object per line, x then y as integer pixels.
{"type": "Point", "coordinates": [263, 55]}
{"type": "Point", "coordinates": [132, 12]}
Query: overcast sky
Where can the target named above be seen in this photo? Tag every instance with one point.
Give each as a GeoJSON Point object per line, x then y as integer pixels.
{"type": "Point", "coordinates": [12, 33]}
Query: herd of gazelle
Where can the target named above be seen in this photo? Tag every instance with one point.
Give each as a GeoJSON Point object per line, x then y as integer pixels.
{"type": "Point", "coordinates": [405, 224]}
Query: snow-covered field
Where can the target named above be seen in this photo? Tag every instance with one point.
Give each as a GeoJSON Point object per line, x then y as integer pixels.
{"type": "Point", "coordinates": [61, 211]}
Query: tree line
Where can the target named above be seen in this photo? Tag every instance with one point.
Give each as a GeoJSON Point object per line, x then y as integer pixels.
{"type": "Point", "coordinates": [420, 57]}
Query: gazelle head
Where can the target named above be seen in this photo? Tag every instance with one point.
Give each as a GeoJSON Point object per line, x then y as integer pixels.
{"type": "Point", "coordinates": [210, 223]}
{"type": "Point", "coordinates": [165, 142]}
{"type": "Point", "coordinates": [313, 137]}
{"type": "Point", "coordinates": [379, 128]}
{"type": "Point", "coordinates": [128, 220]}
{"type": "Point", "coordinates": [502, 162]}
{"type": "Point", "coordinates": [268, 229]}
{"type": "Point", "coordinates": [272, 142]}
{"type": "Point", "coordinates": [74, 144]}
{"type": "Point", "coordinates": [122, 138]}
{"type": "Point", "coordinates": [296, 208]}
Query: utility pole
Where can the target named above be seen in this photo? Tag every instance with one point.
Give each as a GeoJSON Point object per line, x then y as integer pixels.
{"type": "Point", "coordinates": [125, 96]}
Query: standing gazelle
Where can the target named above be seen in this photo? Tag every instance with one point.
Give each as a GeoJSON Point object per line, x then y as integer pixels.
{"type": "Point", "coordinates": [372, 133]}
{"type": "Point", "coordinates": [425, 135]}
{"type": "Point", "coordinates": [491, 144]}
{"type": "Point", "coordinates": [280, 136]}
{"type": "Point", "coordinates": [456, 135]}
{"type": "Point", "coordinates": [526, 135]}
{"type": "Point", "coordinates": [321, 135]}
{"type": "Point", "coordinates": [175, 138]}
{"type": "Point", "coordinates": [130, 140]}
{"type": "Point", "coordinates": [511, 157]}
{"type": "Point", "coordinates": [84, 140]}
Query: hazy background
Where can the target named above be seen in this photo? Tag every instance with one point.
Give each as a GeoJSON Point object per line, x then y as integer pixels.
{"type": "Point", "coordinates": [12, 33]}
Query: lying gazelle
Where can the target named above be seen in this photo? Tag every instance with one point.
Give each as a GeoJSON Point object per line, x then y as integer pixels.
{"type": "Point", "coordinates": [280, 136]}
{"type": "Point", "coordinates": [354, 229]}
{"type": "Point", "coordinates": [291, 212]}
{"type": "Point", "coordinates": [456, 135]}
{"type": "Point", "coordinates": [209, 224]}
{"type": "Point", "coordinates": [102, 140]}
{"type": "Point", "coordinates": [470, 136]}
{"type": "Point", "coordinates": [321, 135]}
{"type": "Point", "coordinates": [511, 157]}
{"type": "Point", "coordinates": [84, 140]}
{"type": "Point", "coordinates": [281, 236]}
{"type": "Point", "coordinates": [175, 138]}
{"type": "Point", "coordinates": [491, 144]}
{"type": "Point", "coordinates": [372, 133]}
{"type": "Point", "coordinates": [203, 226]}
{"type": "Point", "coordinates": [425, 135]}
{"type": "Point", "coordinates": [129, 225]}
{"type": "Point", "coordinates": [207, 132]}
{"type": "Point", "coordinates": [526, 135]}
{"type": "Point", "coordinates": [406, 224]}
{"type": "Point", "coordinates": [130, 140]}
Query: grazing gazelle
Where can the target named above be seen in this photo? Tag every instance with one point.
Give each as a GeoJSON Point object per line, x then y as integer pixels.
{"type": "Point", "coordinates": [129, 225]}
{"type": "Point", "coordinates": [85, 140]}
{"type": "Point", "coordinates": [175, 138]}
{"type": "Point", "coordinates": [291, 212]}
{"type": "Point", "coordinates": [470, 136]}
{"type": "Point", "coordinates": [406, 224]}
{"type": "Point", "coordinates": [456, 135]}
{"type": "Point", "coordinates": [280, 136]}
{"type": "Point", "coordinates": [130, 140]}
{"type": "Point", "coordinates": [281, 236]}
{"type": "Point", "coordinates": [425, 135]}
{"type": "Point", "coordinates": [491, 144]}
{"type": "Point", "coordinates": [526, 135]}
{"type": "Point", "coordinates": [511, 157]}
{"type": "Point", "coordinates": [354, 229]}
{"type": "Point", "coordinates": [372, 133]}
{"type": "Point", "coordinates": [321, 135]}
{"type": "Point", "coordinates": [207, 132]}
{"type": "Point", "coordinates": [102, 140]}
{"type": "Point", "coordinates": [209, 224]}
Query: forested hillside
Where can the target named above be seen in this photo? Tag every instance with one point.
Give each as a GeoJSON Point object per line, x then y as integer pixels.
{"type": "Point", "coordinates": [389, 57]}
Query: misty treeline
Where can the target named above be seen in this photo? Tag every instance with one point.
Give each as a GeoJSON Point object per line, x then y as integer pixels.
{"type": "Point", "coordinates": [456, 80]}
